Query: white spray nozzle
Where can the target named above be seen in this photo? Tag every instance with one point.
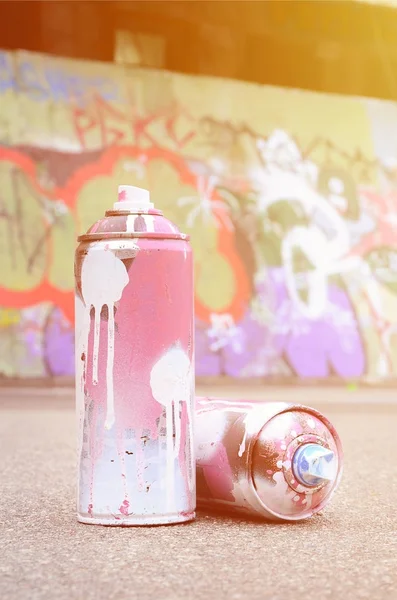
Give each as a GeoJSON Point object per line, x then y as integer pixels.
{"type": "Point", "coordinates": [133, 198]}
{"type": "Point", "coordinates": [313, 464]}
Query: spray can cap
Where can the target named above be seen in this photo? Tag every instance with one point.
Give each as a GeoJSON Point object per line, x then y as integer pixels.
{"type": "Point", "coordinates": [133, 199]}
{"type": "Point", "coordinates": [296, 463]}
{"type": "Point", "coordinates": [313, 465]}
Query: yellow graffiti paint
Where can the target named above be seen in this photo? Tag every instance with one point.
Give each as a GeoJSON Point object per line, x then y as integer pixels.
{"type": "Point", "coordinates": [215, 283]}
{"type": "Point", "coordinates": [63, 243]}
{"type": "Point", "coordinates": [23, 231]}
{"type": "Point", "coordinates": [8, 317]}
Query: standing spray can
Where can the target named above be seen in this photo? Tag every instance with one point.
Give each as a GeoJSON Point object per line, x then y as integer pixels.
{"type": "Point", "coordinates": [135, 367]}
{"type": "Point", "coordinates": [276, 460]}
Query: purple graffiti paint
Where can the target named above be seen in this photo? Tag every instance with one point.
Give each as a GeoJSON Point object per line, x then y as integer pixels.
{"type": "Point", "coordinates": [135, 367]}
{"type": "Point", "coordinates": [275, 460]}
{"type": "Point", "coordinates": [58, 344]}
{"type": "Point", "coordinates": [311, 347]}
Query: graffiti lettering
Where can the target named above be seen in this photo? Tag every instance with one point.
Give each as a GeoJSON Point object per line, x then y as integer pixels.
{"type": "Point", "coordinates": [294, 247]}
{"type": "Point", "coordinates": [23, 246]}
{"type": "Point", "coordinates": [7, 80]}
{"type": "Point", "coordinates": [52, 83]}
{"type": "Point", "coordinates": [110, 126]}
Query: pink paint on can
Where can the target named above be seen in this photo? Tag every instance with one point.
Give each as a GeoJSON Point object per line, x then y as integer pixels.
{"type": "Point", "coordinates": [135, 367]}
{"type": "Point", "coordinates": [278, 461]}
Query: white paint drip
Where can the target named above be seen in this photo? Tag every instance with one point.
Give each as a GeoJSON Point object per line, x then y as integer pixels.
{"type": "Point", "coordinates": [255, 419]}
{"type": "Point", "coordinates": [210, 429]}
{"type": "Point", "coordinates": [103, 279]}
{"type": "Point", "coordinates": [149, 222]}
{"type": "Point", "coordinates": [97, 331]}
{"type": "Point", "coordinates": [109, 369]}
{"type": "Point", "coordinates": [130, 223]}
{"type": "Point", "coordinates": [177, 422]}
{"type": "Point", "coordinates": [284, 493]}
{"type": "Point", "coordinates": [170, 485]}
{"type": "Point", "coordinates": [170, 381]}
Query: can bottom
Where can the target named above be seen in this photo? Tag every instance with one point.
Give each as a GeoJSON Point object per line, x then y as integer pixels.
{"type": "Point", "coordinates": [137, 520]}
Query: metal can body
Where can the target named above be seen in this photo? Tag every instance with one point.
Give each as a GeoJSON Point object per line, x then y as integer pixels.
{"type": "Point", "coordinates": [135, 376]}
{"type": "Point", "coordinates": [244, 454]}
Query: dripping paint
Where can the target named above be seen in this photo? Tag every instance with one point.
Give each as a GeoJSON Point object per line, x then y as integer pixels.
{"type": "Point", "coordinates": [170, 381]}
{"type": "Point", "coordinates": [103, 279]}
{"type": "Point", "coordinates": [135, 399]}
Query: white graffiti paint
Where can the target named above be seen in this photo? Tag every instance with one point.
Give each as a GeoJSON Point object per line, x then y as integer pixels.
{"type": "Point", "coordinates": [130, 223]}
{"type": "Point", "coordinates": [210, 431]}
{"type": "Point", "coordinates": [149, 222]}
{"type": "Point", "coordinates": [255, 418]}
{"type": "Point", "coordinates": [285, 495]}
{"type": "Point", "coordinates": [207, 204]}
{"type": "Point", "coordinates": [325, 241]}
{"type": "Point", "coordinates": [103, 279]}
{"type": "Point", "coordinates": [171, 384]}
{"type": "Point", "coordinates": [327, 256]}
{"type": "Point", "coordinates": [222, 332]}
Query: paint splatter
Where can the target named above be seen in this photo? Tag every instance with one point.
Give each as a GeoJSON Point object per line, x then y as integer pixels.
{"type": "Point", "coordinates": [103, 279]}
{"type": "Point", "coordinates": [124, 508]}
{"type": "Point", "coordinates": [170, 381]}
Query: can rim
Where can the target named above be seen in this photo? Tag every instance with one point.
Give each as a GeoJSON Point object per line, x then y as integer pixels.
{"type": "Point", "coordinates": [250, 475]}
{"type": "Point", "coordinates": [106, 235]}
{"type": "Point", "coordinates": [125, 213]}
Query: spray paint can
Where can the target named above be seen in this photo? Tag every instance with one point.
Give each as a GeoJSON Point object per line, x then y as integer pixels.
{"type": "Point", "coordinates": [275, 460]}
{"type": "Point", "coordinates": [135, 367]}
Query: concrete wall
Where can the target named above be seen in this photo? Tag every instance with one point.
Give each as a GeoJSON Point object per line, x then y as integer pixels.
{"type": "Point", "coordinates": [289, 196]}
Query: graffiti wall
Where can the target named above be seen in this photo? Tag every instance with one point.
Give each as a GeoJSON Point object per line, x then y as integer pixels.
{"type": "Point", "coordinates": [290, 199]}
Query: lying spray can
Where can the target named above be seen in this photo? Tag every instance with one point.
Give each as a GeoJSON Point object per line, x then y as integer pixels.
{"type": "Point", "coordinates": [135, 367]}
{"type": "Point", "coordinates": [276, 460]}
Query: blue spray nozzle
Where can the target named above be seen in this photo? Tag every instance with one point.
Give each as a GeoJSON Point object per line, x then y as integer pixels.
{"type": "Point", "coordinates": [313, 465]}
